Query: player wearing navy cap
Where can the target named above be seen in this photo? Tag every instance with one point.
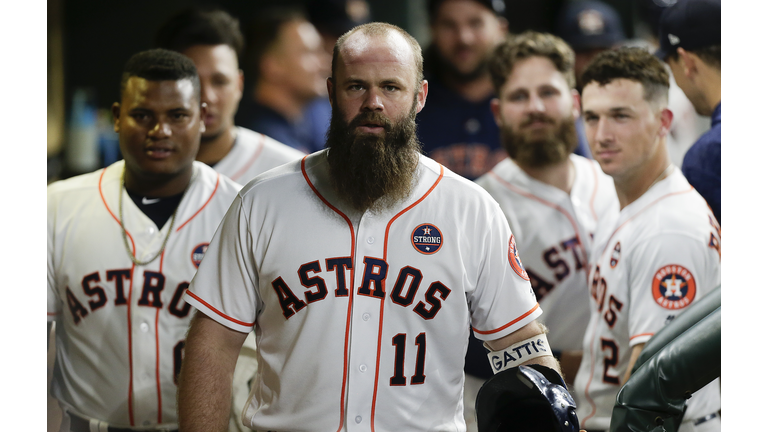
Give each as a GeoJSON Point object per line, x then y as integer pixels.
{"type": "Point", "coordinates": [689, 39]}
{"type": "Point", "coordinates": [589, 27]}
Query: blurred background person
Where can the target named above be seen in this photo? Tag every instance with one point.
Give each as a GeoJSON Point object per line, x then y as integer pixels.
{"type": "Point", "coordinates": [212, 39]}
{"type": "Point", "coordinates": [333, 18]}
{"type": "Point", "coordinates": [687, 125]}
{"type": "Point", "coordinates": [589, 27]}
{"type": "Point", "coordinates": [689, 39]}
{"type": "Point", "coordinates": [456, 127]}
{"type": "Point", "coordinates": [286, 69]}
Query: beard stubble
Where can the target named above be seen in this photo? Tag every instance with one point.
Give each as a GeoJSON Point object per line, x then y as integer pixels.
{"type": "Point", "coordinates": [550, 147]}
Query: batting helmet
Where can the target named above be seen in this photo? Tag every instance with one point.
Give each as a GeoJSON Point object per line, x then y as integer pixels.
{"type": "Point", "coordinates": [526, 398]}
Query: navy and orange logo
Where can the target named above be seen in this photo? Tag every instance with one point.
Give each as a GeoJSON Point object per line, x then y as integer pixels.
{"type": "Point", "coordinates": [198, 252]}
{"type": "Point", "coordinates": [673, 287]}
{"type": "Point", "coordinates": [427, 239]}
{"type": "Point", "coordinates": [514, 259]}
{"type": "Point", "coordinates": [616, 255]}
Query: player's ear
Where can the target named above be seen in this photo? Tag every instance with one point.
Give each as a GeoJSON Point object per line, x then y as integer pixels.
{"type": "Point", "coordinates": [329, 86]}
{"type": "Point", "coordinates": [503, 25]}
{"type": "Point", "coordinates": [496, 110]}
{"type": "Point", "coordinates": [240, 83]}
{"type": "Point", "coordinates": [576, 103]}
{"type": "Point", "coordinates": [666, 121]}
{"type": "Point", "coordinates": [686, 59]}
{"type": "Point", "coordinates": [203, 112]}
{"type": "Point", "coordinates": [421, 96]}
{"type": "Point", "coordinates": [116, 116]}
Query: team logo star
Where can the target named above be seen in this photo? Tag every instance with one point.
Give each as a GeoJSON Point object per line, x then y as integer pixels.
{"type": "Point", "coordinates": [427, 231]}
{"type": "Point", "coordinates": [674, 287]}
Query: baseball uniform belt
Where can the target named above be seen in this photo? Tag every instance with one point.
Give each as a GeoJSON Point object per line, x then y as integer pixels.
{"type": "Point", "coordinates": [80, 424]}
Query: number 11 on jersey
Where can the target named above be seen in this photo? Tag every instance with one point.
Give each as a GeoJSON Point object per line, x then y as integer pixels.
{"type": "Point", "coordinates": [399, 341]}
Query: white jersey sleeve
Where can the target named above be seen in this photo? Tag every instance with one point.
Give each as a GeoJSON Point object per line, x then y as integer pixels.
{"type": "Point", "coordinates": [506, 283]}
{"type": "Point", "coordinates": [666, 276]}
{"type": "Point", "coordinates": [233, 267]}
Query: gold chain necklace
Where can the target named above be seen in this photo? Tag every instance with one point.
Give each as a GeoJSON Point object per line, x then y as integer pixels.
{"type": "Point", "coordinates": [667, 171]}
{"type": "Point", "coordinates": [125, 233]}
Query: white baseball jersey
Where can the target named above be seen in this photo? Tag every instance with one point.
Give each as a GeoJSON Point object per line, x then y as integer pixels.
{"type": "Point", "coordinates": [662, 254]}
{"type": "Point", "coordinates": [362, 320]}
{"type": "Point", "coordinates": [553, 230]}
{"type": "Point", "coordinates": [120, 328]}
{"type": "Point", "coordinates": [252, 154]}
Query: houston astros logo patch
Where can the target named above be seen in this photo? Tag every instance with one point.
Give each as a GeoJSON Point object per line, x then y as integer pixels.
{"type": "Point", "coordinates": [514, 259]}
{"type": "Point", "coordinates": [673, 287]}
{"type": "Point", "coordinates": [427, 239]}
{"type": "Point", "coordinates": [198, 252]}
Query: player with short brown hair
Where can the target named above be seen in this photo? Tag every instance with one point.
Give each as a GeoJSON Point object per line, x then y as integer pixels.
{"type": "Point", "coordinates": [553, 199]}
{"type": "Point", "coordinates": [663, 251]}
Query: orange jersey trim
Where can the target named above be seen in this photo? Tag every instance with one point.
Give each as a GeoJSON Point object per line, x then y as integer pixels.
{"type": "Point", "coordinates": [381, 309]}
{"type": "Point", "coordinates": [218, 178]}
{"type": "Point", "coordinates": [594, 334]}
{"type": "Point", "coordinates": [218, 312]}
{"type": "Point", "coordinates": [641, 335]}
{"type": "Point", "coordinates": [514, 321]}
{"type": "Point", "coordinates": [351, 288]}
{"type": "Point", "coordinates": [638, 214]}
{"type": "Point", "coordinates": [565, 213]}
{"type": "Point", "coordinates": [594, 192]}
{"type": "Point", "coordinates": [157, 369]}
{"type": "Point", "coordinates": [250, 162]}
{"type": "Point", "coordinates": [129, 300]}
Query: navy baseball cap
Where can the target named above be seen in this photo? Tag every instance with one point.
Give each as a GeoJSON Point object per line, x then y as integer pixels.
{"type": "Point", "coordinates": [689, 24]}
{"type": "Point", "coordinates": [336, 17]}
{"type": "Point", "coordinates": [496, 6]}
{"type": "Point", "coordinates": [590, 24]}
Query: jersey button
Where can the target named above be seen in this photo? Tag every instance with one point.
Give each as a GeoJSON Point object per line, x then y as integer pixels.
{"type": "Point", "coordinates": [358, 419]}
{"type": "Point", "coordinates": [366, 316]}
{"type": "Point", "coordinates": [371, 240]}
{"type": "Point", "coordinates": [363, 368]}
{"type": "Point", "coordinates": [151, 230]}
{"type": "Point", "coordinates": [144, 327]}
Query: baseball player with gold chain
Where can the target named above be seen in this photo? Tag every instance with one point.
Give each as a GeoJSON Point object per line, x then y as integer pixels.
{"type": "Point", "coordinates": [660, 256]}
{"type": "Point", "coordinates": [654, 261]}
{"type": "Point", "coordinates": [116, 275]}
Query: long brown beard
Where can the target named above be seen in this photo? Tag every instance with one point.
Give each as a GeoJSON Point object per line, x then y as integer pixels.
{"type": "Point", "coordinates": [536, 152]}
{"type": "Point", "coordinates": [373, 172]}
